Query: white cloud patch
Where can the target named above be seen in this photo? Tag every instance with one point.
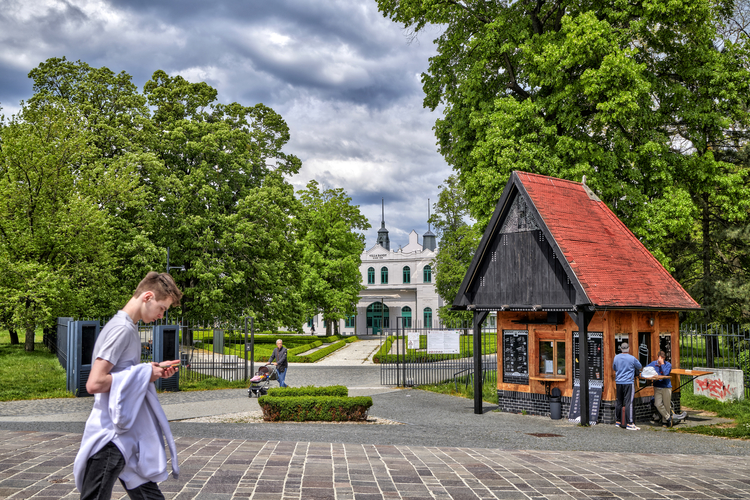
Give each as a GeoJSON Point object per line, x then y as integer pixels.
{"type": "Point", "coordinates": [344, 78]}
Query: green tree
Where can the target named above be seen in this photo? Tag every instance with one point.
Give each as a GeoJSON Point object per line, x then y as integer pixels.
{"type": "Point", "coordinates": [55, 251]}
{"type": "Point", "coordinates": [116, 118]}
{"type": "Point", "coordinates": [647, 99]}
{"type": "Point", "coordinates": [332, 249]}
{"type": "Point", "coordinates": [211, 157]}
{"type": "Point", "coordinates": [458, 242]}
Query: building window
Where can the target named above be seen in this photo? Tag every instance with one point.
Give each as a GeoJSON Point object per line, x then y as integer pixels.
{"type": "Point", "coordinates": [349, 321]}
{"type": "Point", "coordinates": [310, 323]}
{"type": "Point", "coordinates": [371, 276]}
{"type": "Point", "coordinates": [551, 357]}
{"type": "Point", "coordinates": [384, 275]}
{"type": "Point", "coordinates": [427, 317]}
{"type": "Point", "coordinates": [427, 274]}
{"type": "Point", "coordinates": [407, 274]}
{"type": "Point", "coordinates": [406, 316]}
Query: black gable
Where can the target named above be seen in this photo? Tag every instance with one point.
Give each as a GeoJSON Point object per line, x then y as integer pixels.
{"type": "Point", "coordinates": [516, 266]}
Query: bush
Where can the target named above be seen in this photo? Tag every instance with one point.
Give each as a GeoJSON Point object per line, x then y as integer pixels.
{"type": "Point", "coordinates": [320, 353]}
{"type": "Point", "coordinates": [315, 408]}
{"type": "Point", "coordinates": [331, 390]}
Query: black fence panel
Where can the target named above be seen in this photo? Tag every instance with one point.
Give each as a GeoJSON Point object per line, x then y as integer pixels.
{"type": "Point", "coordinates": [418, 355]}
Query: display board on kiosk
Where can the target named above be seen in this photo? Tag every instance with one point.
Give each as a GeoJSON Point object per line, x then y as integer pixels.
{"type": "Point", "coordinates": [167, 348]}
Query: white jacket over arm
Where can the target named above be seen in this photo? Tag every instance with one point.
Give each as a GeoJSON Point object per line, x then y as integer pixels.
{"type": "Point", "coordinates": [131, 417]}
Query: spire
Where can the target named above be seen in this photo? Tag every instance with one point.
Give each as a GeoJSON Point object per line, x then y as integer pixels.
{"type": "Point", "coordinates": [383, 239]}
{"type": "Point", "coordinates": [429, 241]}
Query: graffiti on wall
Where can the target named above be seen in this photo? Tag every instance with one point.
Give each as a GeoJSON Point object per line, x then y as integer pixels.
{"type": "Point", "coordinates": [715, 388]}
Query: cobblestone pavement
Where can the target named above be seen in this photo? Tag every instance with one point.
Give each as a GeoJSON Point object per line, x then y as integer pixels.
{"type": "Point", "coordinates": [39, 465]}
{"type": "Point", "coordinates": [441, 450]}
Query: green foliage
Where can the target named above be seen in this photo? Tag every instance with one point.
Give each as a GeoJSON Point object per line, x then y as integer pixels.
{"type": "Point", "coordinates": [320, 353]}
{"type": "Point", "coordinates": [464, 387]}
{"type": "Point", "coordinates": [331, 250]}
{"type": "Point", "coordinates": [309, 390]}
{"type": "Point", "coordinates": [466, 345]}
{"type": "Point", "coordinates": [458, 243]}
{"type": "Point", "coordinates": [314, 408]}
{"type": "Point", "coordinates": [55, 250]}
{"type": "Point", "coordinates": [648, 100]}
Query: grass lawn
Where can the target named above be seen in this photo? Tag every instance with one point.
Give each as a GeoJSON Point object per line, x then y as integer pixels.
{"type": "Point", "coordinates": [38, 374]}
{"type": "Point", "coordinates": [739, 411]}
{"type": "Point", "coordinates": [464, 390]}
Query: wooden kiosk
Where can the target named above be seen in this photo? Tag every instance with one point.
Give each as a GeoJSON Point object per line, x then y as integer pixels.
{"type": "Point", "coordinates": [569, 283]}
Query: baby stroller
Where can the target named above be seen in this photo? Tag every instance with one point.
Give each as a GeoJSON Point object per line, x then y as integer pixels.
{"type": "Point", "coordinates": [262, 379]}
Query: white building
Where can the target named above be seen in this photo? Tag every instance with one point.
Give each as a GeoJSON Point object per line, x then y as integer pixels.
{"type": "Point", "coordinates": [400, 284]}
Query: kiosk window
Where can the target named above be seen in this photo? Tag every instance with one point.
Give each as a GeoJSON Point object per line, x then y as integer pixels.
{"type": "Point", "coordinates": [551, 357]}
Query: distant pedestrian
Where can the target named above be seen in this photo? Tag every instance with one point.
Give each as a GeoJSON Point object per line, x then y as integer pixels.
{"type": "Point", "coordinates": [312, 329]}
{"type": "Point", "coordinates": [626, 368]}
{"type": "Point", "coordinates": [279, 354]}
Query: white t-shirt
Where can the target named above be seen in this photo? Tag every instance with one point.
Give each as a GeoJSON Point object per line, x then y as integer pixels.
{"type": "Point", "coordinates": [119, 342]}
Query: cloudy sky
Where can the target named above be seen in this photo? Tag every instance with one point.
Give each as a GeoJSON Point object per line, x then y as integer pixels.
{"type": "Point", "coordinates": [346, 80]}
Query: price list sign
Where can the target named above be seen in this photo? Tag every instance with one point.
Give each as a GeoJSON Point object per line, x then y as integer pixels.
{"type": "Point", "coordinates": [516, 356]}
{"type": "Point", "coordinates": [595, 355]}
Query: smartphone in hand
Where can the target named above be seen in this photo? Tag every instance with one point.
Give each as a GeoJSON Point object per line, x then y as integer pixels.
{"type": "Point", "coordinates": [170, 364]}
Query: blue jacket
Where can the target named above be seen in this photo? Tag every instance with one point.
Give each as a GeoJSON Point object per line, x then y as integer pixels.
{"type": "Point", "coordinates": [664, 369]}
{"type": "Point", "coordinates": [625, 366]}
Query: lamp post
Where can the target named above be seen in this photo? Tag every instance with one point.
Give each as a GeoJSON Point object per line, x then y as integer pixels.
{"type": "Point", "coordinates": [169, 268]}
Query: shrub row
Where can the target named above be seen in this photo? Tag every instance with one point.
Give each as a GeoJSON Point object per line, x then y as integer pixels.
{"type": "Point", "coordinates": [310, 390]}
{"type": "Point", "coordinates": [384, 349]}
{"type": "Point", "coordinates": [314, 408]}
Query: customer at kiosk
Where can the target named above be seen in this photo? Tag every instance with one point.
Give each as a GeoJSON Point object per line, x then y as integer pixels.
{"type": "Point", "coordinates": [625, 367]}
{"type": "Point", "coordinates": [663, 389]}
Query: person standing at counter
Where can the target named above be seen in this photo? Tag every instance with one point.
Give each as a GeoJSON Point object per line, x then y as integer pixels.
{"type": "Point", "coordinates": [625, 367]}
{"type": "Point", "coordinates": [663, 388]}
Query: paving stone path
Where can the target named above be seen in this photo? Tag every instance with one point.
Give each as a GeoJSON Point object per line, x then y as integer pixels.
{"type": "Point", "coordinates": [39, 465]}
{"type": "Point", "coordinates": [441, 451]}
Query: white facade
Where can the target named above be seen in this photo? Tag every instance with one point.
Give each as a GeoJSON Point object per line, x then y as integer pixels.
{"type": "Point", "coordinates": [408, 294]}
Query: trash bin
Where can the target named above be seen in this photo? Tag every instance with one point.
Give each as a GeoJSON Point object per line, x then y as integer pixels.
{"type": "Point", "coordinates": [555, 405]}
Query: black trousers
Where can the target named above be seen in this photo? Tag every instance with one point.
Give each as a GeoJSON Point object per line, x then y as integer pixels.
{"type": "Point", "coordinates": [103, 468]}
{"type": "Point", "coordinates": [624, 400]}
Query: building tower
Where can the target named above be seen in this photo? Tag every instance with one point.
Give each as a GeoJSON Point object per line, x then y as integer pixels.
{"type": "Point", "coordinates": [383, 239]}
{"type": "Point", "coordinates": [429, 241]}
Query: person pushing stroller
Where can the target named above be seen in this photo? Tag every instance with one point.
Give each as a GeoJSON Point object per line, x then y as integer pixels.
{"type": "Point", "coordinates": [279, 354]}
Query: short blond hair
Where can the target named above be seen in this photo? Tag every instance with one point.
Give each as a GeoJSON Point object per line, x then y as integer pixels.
{"type": "Point", "coordinates": [162, 285]}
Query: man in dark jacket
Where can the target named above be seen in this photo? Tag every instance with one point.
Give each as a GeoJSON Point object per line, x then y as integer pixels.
{"type": "Point", "coordinates": [279, 354]}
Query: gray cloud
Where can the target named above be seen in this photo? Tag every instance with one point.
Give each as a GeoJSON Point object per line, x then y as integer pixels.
{"type": "Point", "coordinates": [345, 79]}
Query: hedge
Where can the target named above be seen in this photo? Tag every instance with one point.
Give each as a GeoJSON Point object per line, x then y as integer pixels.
{"type": "Point", "coordinates": [384, 349]}
{"type": "Point", "coordinates": [321, 353]}
{"type": "Point", "coordinates": [310, 390]}
{"type": "Point", "coordinates": [316, 408]}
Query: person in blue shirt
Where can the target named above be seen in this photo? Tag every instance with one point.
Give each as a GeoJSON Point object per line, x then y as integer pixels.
{"type": "Point", "coordinates": [663, 389]}
{"type": "Point", "coordinates": [626, 367]}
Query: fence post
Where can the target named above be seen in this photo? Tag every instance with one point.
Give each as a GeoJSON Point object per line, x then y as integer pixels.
{"type": "Point", "coordinates": [245, 349]}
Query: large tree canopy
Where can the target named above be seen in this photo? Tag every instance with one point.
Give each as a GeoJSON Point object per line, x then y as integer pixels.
{"type": "Point", "coordinates": [99, 179]}
{"type": "Point", "coordinates": [648, 99]}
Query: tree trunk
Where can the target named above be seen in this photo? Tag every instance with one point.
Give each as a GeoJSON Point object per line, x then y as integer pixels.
{"type": "Point", "coordinates": [712, 340]}
{"type": "Point", "coordinates": [13, 335]}
{"type": "Point", "coordinates": [30, 331]}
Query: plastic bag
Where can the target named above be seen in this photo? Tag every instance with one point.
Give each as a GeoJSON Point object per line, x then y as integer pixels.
{"type": "Point", "coordinates": [649, 372]}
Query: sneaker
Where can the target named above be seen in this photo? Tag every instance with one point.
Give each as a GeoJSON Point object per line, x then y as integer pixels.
{"type": "Point", "coordinates": [632, 427]}
{"type": "Point", "coordinates": [618, 424]}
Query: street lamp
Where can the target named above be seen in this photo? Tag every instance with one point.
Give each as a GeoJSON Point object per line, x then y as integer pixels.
{"type": "Point", "coordinates": [169, 268]}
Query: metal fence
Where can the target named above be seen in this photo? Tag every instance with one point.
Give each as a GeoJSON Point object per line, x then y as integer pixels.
{"type": "Point", "coordinates": [418, 355]}
{"type": "Point", "coordinates": [206, 349]}
{"type": "Point", "coordinates": [716, 346]}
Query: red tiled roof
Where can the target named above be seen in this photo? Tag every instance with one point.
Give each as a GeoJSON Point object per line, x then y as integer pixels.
{"type": "Point", "coordinates": [612, 265]}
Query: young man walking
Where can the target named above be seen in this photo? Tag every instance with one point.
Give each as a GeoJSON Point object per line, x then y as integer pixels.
{"type": "Point", "coordinates": [625, 367]}
{"type": "Point", "coordinates": [123, 435]}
